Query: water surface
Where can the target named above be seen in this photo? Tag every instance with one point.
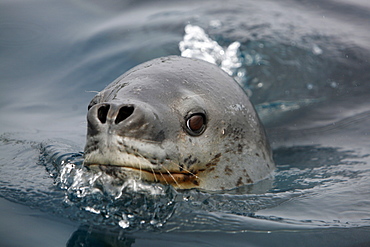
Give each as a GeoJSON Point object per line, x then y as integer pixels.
{"type": "Point", "coordinates": [305, 65]}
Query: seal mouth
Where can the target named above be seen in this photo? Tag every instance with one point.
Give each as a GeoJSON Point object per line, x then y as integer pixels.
{"type": "Point", "coordinates": [178, 179]}
{"type": "Point", "coordinates": [124, 161]}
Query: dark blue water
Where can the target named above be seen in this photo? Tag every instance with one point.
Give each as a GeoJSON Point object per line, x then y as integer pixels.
{"type": "Point", "coordinates": [305, 65]}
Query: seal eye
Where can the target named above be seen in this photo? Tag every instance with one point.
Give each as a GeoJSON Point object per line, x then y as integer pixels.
{"type": "Point", "coordinates": [196, 124]}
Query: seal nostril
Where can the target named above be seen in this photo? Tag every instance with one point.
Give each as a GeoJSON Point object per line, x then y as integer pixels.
{"type": "Point", "coordinates": [124, 113]}
{"type": "Point", "coordinates": [102, 113]}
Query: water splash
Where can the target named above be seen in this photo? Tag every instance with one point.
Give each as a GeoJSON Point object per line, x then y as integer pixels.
{"type": "Point", "coordinates": [197, 44]}
{"type": "Point", "coordinates": [306, 177]}
{"type": "Point", "coordinates": [101, 199]}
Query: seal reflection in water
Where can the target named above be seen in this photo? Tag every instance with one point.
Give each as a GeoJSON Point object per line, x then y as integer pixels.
{"type": "Point", "coordinates": [177, 121]}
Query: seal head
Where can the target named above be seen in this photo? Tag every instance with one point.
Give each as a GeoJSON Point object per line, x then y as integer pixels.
{"type": "Point", "coordinates": [177, 121]}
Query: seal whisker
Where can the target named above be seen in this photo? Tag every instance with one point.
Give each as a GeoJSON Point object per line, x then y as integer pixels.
{"type": "Point", "coordinates": [191, 173]}
{"type": "Point", "coordinates": [150, 141]}
{"type": "Point", "coordinates": [140, 170]}
{"type": "Point", "coordinates": [193, 96]}
{"type": "Point", "coordinates": [163, 178]}
{"type": "Point", "coordinates": [140, 165]}
{"type": "Point", "coordinates": [173, 178]}
{"type": "Point", "coordinates": [155, 176]}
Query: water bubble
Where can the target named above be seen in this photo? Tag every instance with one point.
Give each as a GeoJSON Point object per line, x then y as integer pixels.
{"type": "Point", "coordinates": [197, 44]}
{"type": "Point", "coordinates": [316, 50]}
{"type": "Point", "coordinates": [333, 84]}
{"type": "Point", "coordinates": [215, 23]}
{"type": "Point", "coordinates": [124, 224]}
{"type": "Point", "coordinates": [241, 73]}
{"type": "Point", "coordinates": [92, 210]}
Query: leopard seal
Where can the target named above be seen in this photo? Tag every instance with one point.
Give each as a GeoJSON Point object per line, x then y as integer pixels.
{"type": "Point", "coordinates": [177, 121]}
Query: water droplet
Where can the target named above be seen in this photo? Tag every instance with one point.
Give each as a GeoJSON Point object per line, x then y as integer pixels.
{"type": "Point", "coordinates": [316, 50]}
{"type": "Point", "coordinates": [92, 210]}
{"type": "Point", "coordinates": [333, 84]}
{"type": "Point", "coordinates": [215, 23]}
{"type": "Point", "coordinates": [124, 224]}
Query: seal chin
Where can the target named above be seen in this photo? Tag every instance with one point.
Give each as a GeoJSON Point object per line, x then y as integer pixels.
{"type": "Point", "coordinates": [141, 171]}
{"type": "Point", "coordinates": [179, 180]}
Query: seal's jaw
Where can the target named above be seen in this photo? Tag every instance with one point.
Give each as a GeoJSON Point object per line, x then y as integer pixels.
{"type": "Point", "coordinates": [124, 157]}
{"type": "Point", "coordinates": [179, 180]}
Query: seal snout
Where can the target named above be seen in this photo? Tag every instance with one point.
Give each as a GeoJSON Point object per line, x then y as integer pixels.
{"type": "Point", "coordinates": [113, 112]}
{"type": "Point", "coordinates": [137, 121]}
{"type": "Point", "coordinates": [112, 117]}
